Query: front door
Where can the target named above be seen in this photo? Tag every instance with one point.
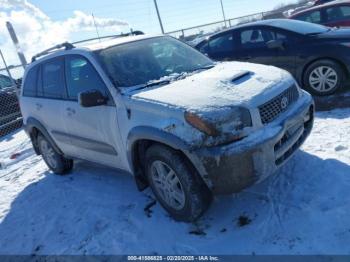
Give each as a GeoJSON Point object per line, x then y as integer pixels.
{"type": "Point", "coordinates": [93, 131]}
{"type": "Point", "coordinates": [254, 48]}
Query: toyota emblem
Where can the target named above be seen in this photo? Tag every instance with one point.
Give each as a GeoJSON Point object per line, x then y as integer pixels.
{"type": "Point", "coordinates": [284, 102]}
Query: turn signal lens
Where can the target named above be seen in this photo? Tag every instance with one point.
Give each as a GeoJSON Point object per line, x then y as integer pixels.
{"type": "Point", "coordinates": [200, 124]}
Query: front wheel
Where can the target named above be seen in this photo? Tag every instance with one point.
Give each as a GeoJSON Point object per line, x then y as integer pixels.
{"type": "Point", "coordinates": [177, 187]}
{"type": "Point", "coordinates": [323, 77]}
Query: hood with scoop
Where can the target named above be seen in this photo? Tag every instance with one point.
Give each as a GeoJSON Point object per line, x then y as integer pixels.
{"type": "Point", "coordinates": [225, 85]}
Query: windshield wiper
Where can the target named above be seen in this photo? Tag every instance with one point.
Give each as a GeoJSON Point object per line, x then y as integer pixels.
{"type": "Point", "coordinates": [149, 84]}
{"type": "Point", "coordinates": [204, 67]}
{"type": "Point", "coordinates": [156, 83]}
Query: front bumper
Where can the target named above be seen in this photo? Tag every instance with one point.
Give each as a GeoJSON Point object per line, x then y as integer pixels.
{"type": "Point", "coordinates": [231, 168]}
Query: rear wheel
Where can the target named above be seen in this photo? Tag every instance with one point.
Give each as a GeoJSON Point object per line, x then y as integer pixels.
{"type": "Point", "coordinates": [55, 161]}
{"type": "Point", "coordinates": [323, 77]}
{"type": "Point", "coordinates": [177, 187]}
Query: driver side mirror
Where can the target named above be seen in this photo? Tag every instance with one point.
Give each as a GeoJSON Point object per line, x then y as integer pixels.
{"type": "Point", "coordinates": [91, 98]}
{"type": "Point", "coordinates": [276, 44]}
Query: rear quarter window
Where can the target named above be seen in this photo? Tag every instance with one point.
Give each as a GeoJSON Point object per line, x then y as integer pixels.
{"type": "Point", "coordinates": [29, 86]}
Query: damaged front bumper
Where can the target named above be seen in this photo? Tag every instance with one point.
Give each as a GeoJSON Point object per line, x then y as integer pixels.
{"type": "Point", "coordinates": [230, 168]}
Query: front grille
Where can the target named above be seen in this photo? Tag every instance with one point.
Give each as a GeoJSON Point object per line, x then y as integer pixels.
{"type": "Point", "coordinates": [273, 108]}
{"type": "Point", "coordinates": [289, 151]}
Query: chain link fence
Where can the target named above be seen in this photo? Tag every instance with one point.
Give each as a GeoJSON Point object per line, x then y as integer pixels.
{"type": "Point", "coordinates": [10, 114]}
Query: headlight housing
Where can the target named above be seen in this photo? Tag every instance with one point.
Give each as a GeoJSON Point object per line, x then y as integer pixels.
{"type": "Point", "coordinates": [200, 124]}
{"type": "Point", "coordinates": [226, 122]}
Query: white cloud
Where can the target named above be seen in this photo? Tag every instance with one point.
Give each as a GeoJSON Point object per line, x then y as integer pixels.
{"type": "Point", "coordinates": [37, 31]}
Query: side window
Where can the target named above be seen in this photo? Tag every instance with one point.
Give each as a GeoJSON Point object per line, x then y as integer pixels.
{"type": "Point", "coordinates": [338, 13]}
{"type": "Point", "coordinates": [82, 76]}
{"type": "Point", "coordinates": [256, 38]}
{"type": "Point", "coordinates": [312, 17]}
{"type": "Point", "coordinates": [29, 87]}
{"type": "Point", "coordinates": [222, 43]}
{"type": "Point", "coordinates": [53, 79]}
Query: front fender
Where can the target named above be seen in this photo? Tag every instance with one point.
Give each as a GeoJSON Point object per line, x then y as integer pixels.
{"type": "Point", "coordinates": [161, 136]}
{"type": "Point", "coordinates": [153, 134]}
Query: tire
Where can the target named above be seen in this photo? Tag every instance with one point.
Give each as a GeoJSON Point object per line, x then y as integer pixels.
{"type": "Point", "coordinates": [182, 193]}
{"type": "Point", "coordinates": [55, 161]}
{"type": "Point", "coordinates": [323, 77]}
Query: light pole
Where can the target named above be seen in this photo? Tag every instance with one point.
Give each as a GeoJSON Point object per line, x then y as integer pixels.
{"type": "Point", "coordinates": [160, 20]}
{"type": "Point", "coordinates": [15, 42]}
{"type": "Point", "coordinates": [223, 12]}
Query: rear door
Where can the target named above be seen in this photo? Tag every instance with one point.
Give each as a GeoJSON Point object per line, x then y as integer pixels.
{"type": "Point", "coordinates": [47, 105]}
{"type": "Point", "coordinates": [92, 131]}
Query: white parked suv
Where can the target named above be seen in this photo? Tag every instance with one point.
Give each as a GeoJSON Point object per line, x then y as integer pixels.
{"type": "Point", "coordinates": [165, 113]}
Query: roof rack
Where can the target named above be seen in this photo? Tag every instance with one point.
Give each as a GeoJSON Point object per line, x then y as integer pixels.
{"type": "Point", "coordinates": [110, 36]}
{"type": "Point", "coordinates": [66, 45]}
{"type": "Point", "coordinates": [69, 46]}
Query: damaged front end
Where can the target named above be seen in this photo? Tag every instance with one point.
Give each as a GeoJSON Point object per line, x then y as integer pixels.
{"type": "Point", "coordinates": [221, 126]}
{"type": "Point", "coordinates": [250, 157]}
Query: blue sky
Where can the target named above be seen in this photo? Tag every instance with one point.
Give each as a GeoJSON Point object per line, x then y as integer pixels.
{"type": "Point", "coordinates": [40, 24]}
{"type": "Point", "coordinates": [141, 13]}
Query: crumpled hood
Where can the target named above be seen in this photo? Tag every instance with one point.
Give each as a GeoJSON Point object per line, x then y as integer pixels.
{"type": "Point", "coordinates": [226, 84]}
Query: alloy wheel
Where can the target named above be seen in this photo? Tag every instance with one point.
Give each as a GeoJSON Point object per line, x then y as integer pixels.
{"type": "Point", "coordinates": [48, 153]}
{"type": "Point", "coordinates": [168, 185]}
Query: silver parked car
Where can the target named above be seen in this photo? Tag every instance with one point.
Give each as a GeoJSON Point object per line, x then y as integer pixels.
{"type": "Point", "coordinates": [165, 113]}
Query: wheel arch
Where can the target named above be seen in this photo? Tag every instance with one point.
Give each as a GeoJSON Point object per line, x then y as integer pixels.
{"type": "Point", "coordinates": [33, 128]}
{"type": "Point", "coordinates": [310, 62]}
{"type": "Point", "coordinates": [141, 138]}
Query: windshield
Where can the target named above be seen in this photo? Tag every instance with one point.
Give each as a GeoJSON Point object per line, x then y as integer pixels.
{"type": "Point", "coordinates": [140, 62]}
{"type": "Point", "coordinates": [300, 27]}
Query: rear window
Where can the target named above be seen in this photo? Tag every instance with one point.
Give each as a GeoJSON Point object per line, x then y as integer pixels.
{"type": "Point", "coordinates": [222, 43]}
{"type": "Point", "coordinates": [29, 87]}
{"type": "Point", "coordinates": [53, 79]}
{"type": "Point", "coordinates": [299, 27]}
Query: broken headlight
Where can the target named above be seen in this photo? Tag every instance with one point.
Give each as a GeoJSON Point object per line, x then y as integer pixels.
{"type": "Point", "coordinates": [226, 122]}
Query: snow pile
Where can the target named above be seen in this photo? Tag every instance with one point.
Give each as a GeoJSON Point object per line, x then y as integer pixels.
{"type": "Point", "coordinates": [304, 209]}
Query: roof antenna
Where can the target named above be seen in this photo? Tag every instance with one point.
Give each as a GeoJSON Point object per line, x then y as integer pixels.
{"type": "Point", "coordinates": [98, 35]}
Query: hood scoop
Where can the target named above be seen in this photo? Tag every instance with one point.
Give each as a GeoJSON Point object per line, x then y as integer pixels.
{"type": "Point", "coordinates": [241, 77]}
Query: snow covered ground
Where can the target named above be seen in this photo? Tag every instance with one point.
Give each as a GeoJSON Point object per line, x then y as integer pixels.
{"type": "Point", "coordinates": [303, 209]}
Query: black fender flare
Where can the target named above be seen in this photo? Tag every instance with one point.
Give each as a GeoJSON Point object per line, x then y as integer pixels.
{"type": "Point", "coordinates": [153, 134]}
{"type": "Point", "coordinates": [160, 136]}
{"type": "Point", "coordinates": [34, 123]}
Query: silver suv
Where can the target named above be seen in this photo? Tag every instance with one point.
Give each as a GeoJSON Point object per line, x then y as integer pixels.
{"type": "Point", "coordinates": [160, 110]}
